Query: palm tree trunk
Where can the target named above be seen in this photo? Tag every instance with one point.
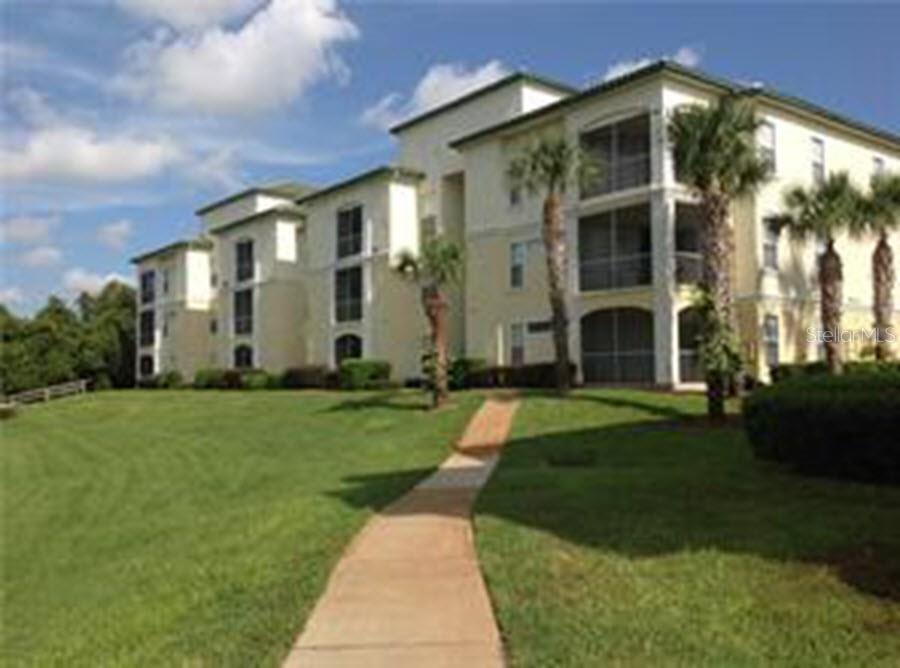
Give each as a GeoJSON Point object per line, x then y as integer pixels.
{"type": "Point", "coordinates": [435, 306]}
{"type": "Point", "coordinates": [883, 289]}
{"type": "Point", "coordinates": [716, 281]}
{"type": "Point", "coordinates": [554, 237]}
{"type": "Point", "coordinates": [831, 284]}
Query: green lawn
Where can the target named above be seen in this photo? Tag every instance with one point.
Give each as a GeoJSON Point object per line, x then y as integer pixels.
{"type": "Point", "coordinates": [193, 528]}
{"type": "Point", "coordinates": [617, 531]}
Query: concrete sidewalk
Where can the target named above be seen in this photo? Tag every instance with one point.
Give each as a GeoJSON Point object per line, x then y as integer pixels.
{"type": "Point", "coordinates": [409, 592]}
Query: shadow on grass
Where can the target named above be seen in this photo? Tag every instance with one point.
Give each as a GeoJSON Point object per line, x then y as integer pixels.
{"type": "Point", "coordinates": [391, 399]}
{"type": "Point", "coordinates": [673, 484]}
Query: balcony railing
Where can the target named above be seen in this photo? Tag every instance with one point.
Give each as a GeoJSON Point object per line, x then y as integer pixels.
{"type": "Point", "coordinates": [636, 366]}
{"type": "Point", "coordinates": [688, 267]}
{"type": "Point", "coordinates": [623, 172]}
{"type": "Point", "coordinates": [622, 271]}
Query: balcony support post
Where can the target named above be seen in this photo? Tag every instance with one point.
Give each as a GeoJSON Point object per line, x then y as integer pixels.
{"type": "Point", "coordinates": [665, 316]}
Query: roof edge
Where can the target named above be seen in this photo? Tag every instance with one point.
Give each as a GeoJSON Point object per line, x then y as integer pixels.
{"type": "Point", "coordinates": [188, 244]}
{"type": "Point", "coordinates": [272, 191]}
{"type": "Point", "coordinates": [393, 171]}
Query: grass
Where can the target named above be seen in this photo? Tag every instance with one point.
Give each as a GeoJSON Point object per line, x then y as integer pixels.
{"type": "Point", "coordinates": [192, 528]}
{"type": "Point", "coordinates": [621, 530]}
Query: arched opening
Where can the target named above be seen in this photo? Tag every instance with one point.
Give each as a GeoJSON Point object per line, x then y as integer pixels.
{"type": "Point", "coordinates": [243, 357]}
{"type": "Point", "coordinates": [690, 324]}
{"type": "Point", "coordinates": [347, 346]}
{"type": "Point", "coordinates": [617, 346]}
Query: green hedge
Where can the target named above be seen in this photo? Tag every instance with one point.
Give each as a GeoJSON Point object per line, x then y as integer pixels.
{"type": "Point", "coordinates": [527, 375]}
{"type": "Point", "coordinates": [361, 374]}
{"type": "Point", "coordinates": [461, 369]}
{"type": "Point", "coordinates": [299, 378]}
{"type": "Point", "coordinates": [784, 371]}
{"type": "Point", "coordinates": [838, 426]}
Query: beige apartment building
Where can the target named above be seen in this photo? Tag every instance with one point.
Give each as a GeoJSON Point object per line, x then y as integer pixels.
{"type": "Point", "coordinates": [289, 275]}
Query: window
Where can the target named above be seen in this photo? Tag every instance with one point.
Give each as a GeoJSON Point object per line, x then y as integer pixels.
{"type": "Point", "coordinates": [213, 326]}
{"type": "Point", "coordinates": [165, 281]}
{"type": "Point", "coordinates": [147, 325]}
{"type": "Point", "coordinates": [690, 326]}
{"type": "Point", "coordinates": [348, 289]}
{"type": "Point", "coordinates": [771, 233]}
{"type": "Point", "coordinates": [770, 339]}
{"type": "Point", "coordinates": [165, 325]}
{"type": "Point", "coordinates": [765, 141]}
{"type": "Point", "coordinates": [148, 287]}
{"type": "Point", "coordinates": [877, 166]}
{"type": "Point", "coordinates": [614, 249]}
{"type": "Point", "coordinates": [146, 365]}
{"type": "Point", "coordinates": [817, 146]}
{"type": "Point", "coordinates": [621, 153]}
{"type": "Point", "coordinates": [244, 260]}
{"type": "Point", "coordinates": [347, 346]}
{"type": "Point", "coordinates": [213, 280]}
{"type": "Point", "coordinates": [617, 346]}
{"type": "Point", "coordinates": [429, 228]}
{"type": "Point", "coordinates": [515, 196]}
{"type": "Point", "coordinates": [517, 255]}
{"type": "Point", "coordinates": [243, 357]}
{"type": "Point", "coordinates": [688, 243]}
{"type": "Point", "coordinates": [540, 326]}
{"type": "Point", "coordinates": [243, 311]}
{"type": "Point", "coordinates": [517, 344]}
{"type": "Point", "coordinates": [349, 232]}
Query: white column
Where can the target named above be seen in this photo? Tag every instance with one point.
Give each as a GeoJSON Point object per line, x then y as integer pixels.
{"type": "Point", "coordinates": [665, 319]}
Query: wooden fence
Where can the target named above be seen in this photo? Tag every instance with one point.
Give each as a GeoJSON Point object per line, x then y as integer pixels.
{"type": "Point", "coordinates": [48, 393]}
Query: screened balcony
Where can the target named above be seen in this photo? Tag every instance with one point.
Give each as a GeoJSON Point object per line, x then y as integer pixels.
{"type": "Point", "coordinates": [688, 235]}
{"type": "Point", "coordinates": [617, 346]}
{"type": "Point", "coordinates": [614, 249]}
{"type": "Point", "coordinates": [621, 154]}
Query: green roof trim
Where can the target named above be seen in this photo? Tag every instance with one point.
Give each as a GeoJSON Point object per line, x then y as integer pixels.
{"type": "Point", "coordinates": [291, 211]}
{"type": "Point", "coordinates": [184, 244]}
{"type": "Point", "coordinates": [285, 189]}
{"type": "Point", "coordinates": [697, 76]}
{"type": "Point", "coordinates": [384, 171]}
{"type": "Point", "coordinates": [515, 77]}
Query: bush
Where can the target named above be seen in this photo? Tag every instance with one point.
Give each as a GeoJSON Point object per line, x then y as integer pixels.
{"type": "Point", "coordinates": [148, 382]}
{"type": "Point", "coordinates": [8, 410]}
{"type": "Point", "coordinates": [358, 374]}
{"type": "Point", "coordinates": [783, 371]}
{"type": "Point", "coordinates": [209, 379]}
{"type": "Point", "coordinates": [259, 380]}
{"type": "Point", "coordinates": [170, 380]}
{"type": "Point", "coordinates": [304, 377]}
{"type": "Point", "coordinates": [461, 368]}
{"type": "Point", "coordinates": [840, 426]}
{"type": "Point", "coordinates": [527, 375]}
{"type": "Point", "coordinates": [233, 379]}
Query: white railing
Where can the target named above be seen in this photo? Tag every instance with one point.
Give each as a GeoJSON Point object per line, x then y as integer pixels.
{"type": "Point", "coordinates": [48, 393]}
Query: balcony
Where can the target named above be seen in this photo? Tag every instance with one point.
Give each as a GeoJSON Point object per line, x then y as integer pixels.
{"type": "Point", "coordinates": [623, 271]}
{"type": "Point", "coordinates": [688, 267]}
{"type": "Point", "coordinates": [621, 154]}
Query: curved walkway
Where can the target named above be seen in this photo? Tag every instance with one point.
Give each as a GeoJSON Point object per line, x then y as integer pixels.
{"type": "Point", "coordinates": [408, 591]}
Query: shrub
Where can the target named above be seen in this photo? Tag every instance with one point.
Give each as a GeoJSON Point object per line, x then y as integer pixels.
{"type": "Point", "coordinates": [358, 374]}
{"type": "Point", "coordinates": [461, 368]}
{"type": "Point", "coordinates": [258, 380]}
{"type": "Point", "coordinates": [170, 380]}
{"type": "Point", "coordinates": [233, 379]}
{"type": "Point", "coordinates": [148, 382]}
{"type": "Point", "coordinates": [840, 426]}
{"type": "Point", "coordinates": [209, 379]}
{"type": "Point", "coordinates": [527, 375]}
{"type": "Point", "coordinates": [783, 371]}
{"type": "Point", "coordinates": [304, 377]}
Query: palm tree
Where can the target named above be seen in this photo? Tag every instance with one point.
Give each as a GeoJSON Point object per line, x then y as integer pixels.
{"type": "Point", "coordinates": [438, 266]}
{"type": "Point", "coordinates": [715, 155]}
{"type": "Point", "coordinates": [821, 212]}
{"type": "Point", "coordinates": [547, 168]}
{"type": "Point", "coordinates": [882, 215]}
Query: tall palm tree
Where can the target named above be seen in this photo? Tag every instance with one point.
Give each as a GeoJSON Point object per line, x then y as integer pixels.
{"type": "Point", "coordinates": [548, 168]}
{"type": "Point", "coordinates": [437, 266]}
{"type": "Point", "coordinates": [881, 216]}
{"type": "Point", "coordinates": [821, 212]}
{"type": "Point", "coordinates": [716, 156]}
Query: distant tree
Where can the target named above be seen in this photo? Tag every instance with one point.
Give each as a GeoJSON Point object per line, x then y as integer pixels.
{"type": "Point", "coordinates": [821, 212]}
{"type": "Point", "coordinates": [880, 216]}
{"type": "Point", "coordinates": [438, 266]}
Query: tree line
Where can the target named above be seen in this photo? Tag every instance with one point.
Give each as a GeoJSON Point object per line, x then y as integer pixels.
{"type": "Point", "coordinates": [93, 339]}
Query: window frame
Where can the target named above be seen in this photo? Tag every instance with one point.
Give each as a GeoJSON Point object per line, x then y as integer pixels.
{"type": "Point", "coordinates": [517, 331]}
{"type": "Point", "coordinates": [770, 240]}
{"type": "Point", "coordinates": [817, 159]}
{"type": "Point", "coordinates": [243, 323]}
{"type": "Point", "coordinates": [771, 339]}
{"type": "Point", "coordinates": [240, 348]}
{"type": "Point", "coordinates": [346, 336]}
{"type": "Point", "coordinates": [612, 177]}
{"type": "Point", "coordinates": [142, 369]}
{"type": "Point", "coordinates": [244, 270]}
{"type": "Point", "coordinates": [148, 287]}
{"type": "Point", "coordinates": [356, 243]}
{"type": "Point", "coordinates": [769, 153]}
{"type": "Point", "coordinates": [517, 264]}
{"type": "Point", "coordinates": [878, 165]}
{"type": "Point", "coordinates": [347, 308]}
{"type": "Point", "coordinates": [147, 333]}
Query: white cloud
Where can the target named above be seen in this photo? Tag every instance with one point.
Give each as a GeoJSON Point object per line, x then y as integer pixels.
{"type": "Point", "coordinates": [41, 256]}
{"type": "Point", "coordinates": [11, 295]}
{"type": "Point", "coordinates": [189, 14]}
{"type": "Point", "coordinates": [442, 82]}
{"type": "Point", "coordinates": [27, 229]}
{"type": "Point", "coordinates": [264, 64]}
{"type": "Point", "coordinates": [80, 280]}
{"type": "Point", "coordinates": [27, 57]}
{"type": "Point", "coordinates": [115, 234]}
{"type": "Point", "coordinates": [686, 55]}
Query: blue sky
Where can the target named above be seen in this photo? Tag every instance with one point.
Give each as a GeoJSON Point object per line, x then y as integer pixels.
{"type": "Point", "coordinates": [119, 118]}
